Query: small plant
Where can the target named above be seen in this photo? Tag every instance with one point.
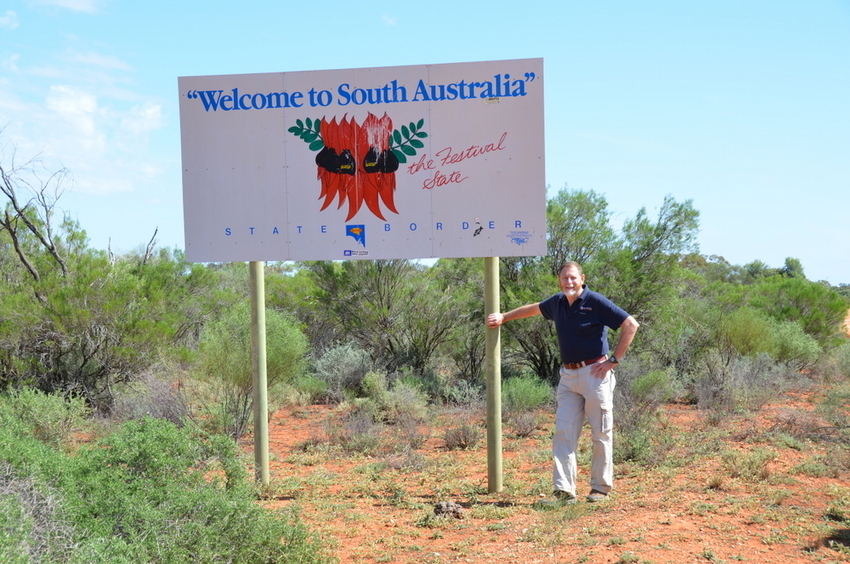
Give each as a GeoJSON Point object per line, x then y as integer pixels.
{"type": "Point", "coordinates": [463, 437]}
{"type": "Point", "coordinates": [751, 466]}
{"type": "Point", "coordinates": [357, 431]}
{"type": "Point", "coordinates": [522, 424]}
{"type": "Point", "coordinates": [708, 554]}
{"type": "Point", "coordinates": [716, 482]}
{"type": "Point", "coordinates": [617, 541]}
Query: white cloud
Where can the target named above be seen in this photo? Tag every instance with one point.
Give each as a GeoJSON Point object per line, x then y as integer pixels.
{"type": "Point", "coordinates": [103, 61]}
{"type": "Point", "coordinates": [85, 6]}
{"type": "Point", "coordinates": [9, 20]}
{"type": "Point", "coordinates": [143, 119]}
{"type": "Point", "coordinates": [75, 108]}
{"type": "Point", "coordinates": [389, 20]}
{"type": "Point", "coordinates": [10, 63]}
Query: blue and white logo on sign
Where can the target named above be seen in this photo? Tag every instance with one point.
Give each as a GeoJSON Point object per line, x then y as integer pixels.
{"type": "Point", "coordinates": [358, 232]}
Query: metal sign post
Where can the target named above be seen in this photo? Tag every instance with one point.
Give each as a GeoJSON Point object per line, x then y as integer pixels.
{"type": "Point", "coordinates": [258, 356]}
{"type": "Point", "coordinates": [493, 356]}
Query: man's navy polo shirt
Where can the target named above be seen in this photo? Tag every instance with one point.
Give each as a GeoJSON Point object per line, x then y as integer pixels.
{"type": "Point", "coordinates": [583, 326]}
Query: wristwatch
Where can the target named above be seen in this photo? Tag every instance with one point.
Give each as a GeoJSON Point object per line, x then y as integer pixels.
{"type": "Point", "coordinates": [613, 359]}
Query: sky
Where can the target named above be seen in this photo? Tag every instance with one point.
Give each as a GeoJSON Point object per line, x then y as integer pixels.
{"type": "Point", "coordinates": [741, 107]}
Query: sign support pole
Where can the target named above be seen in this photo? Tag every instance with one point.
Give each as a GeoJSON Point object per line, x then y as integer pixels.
{"type": "Point", "coordinates": [258, 358]}
{"type": "Point", "coordinates": [493, 363]}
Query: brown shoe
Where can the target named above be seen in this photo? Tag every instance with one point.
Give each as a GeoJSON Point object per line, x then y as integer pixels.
{"type": "Point", "coordinates": [596, 495]}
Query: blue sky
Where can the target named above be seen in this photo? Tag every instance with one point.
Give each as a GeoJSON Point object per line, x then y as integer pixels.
{"type": "Point", "coordinates": [742, 107]}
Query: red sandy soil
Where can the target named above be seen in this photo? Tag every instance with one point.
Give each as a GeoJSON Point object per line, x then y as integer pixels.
{"type": "Point", "coordinates": [690, 508]}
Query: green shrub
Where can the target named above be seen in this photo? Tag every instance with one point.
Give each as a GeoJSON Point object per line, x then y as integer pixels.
{"type": "Point", "coordinates": [750, 466]}
{"type": "Point", "coordinates": [835, 406]}
{"type": "Point", "coordinates": [746, 332]}
{"type": "Point", "coordinates": [153, 492]}
{"type": "Point", "coordinates": [33, 527]}
{"type": "Point", "coordinates": [638, 397]}
{"type": "Point", "coordinates": [842, 359]}
{"type": "Point", "coordinates": [525, 393]}
{"type": "Point", "coordinates": [740, 383]}
{"type": "Point", "coordinates": [149, 493]}
{"type": "Point", "coordinates": [48, 417]}
{"type": "Point", "coordinates": [793, 346]}
{"type": "Point", "coordinates": [375, 385]}
{"type": "Point", "coordinates": [342, 368]}
{"type": "Point", "coordinates": [225, 360]}
{"type": "Point", "coordinates": [307, 390]}
{"type": "Point", "coordinates": [403, 402]}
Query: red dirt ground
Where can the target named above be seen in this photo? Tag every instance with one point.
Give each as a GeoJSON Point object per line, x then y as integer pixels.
{"type": "Point", "coordinates": [694, 511]}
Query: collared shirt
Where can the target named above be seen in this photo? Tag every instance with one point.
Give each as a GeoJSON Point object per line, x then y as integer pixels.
{"type": "Point", "coordinates": [583, 326]}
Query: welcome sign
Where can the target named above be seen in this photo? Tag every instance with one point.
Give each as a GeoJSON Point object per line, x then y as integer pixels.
{"type": "Point", "coordinates": [376, 163]}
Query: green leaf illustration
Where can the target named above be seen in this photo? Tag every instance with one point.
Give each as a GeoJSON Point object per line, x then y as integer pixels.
{"type": "Point", "coordinates": [400, 156]}
{"type": "Point", "coordinates": [404, 142]}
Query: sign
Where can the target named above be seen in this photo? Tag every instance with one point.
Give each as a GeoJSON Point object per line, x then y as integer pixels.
{"type": "Point", "coordinates": [375, 163]}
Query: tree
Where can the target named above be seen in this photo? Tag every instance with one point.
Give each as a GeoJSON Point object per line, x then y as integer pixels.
{"type": "Point", "coordinates": [386, 306]}
{"type": "Point", "coordinates": [644, 273]}
{"type": "Point", "coordinates": [578, 228]}
{"type": "Point", "coordinates": [76, 320]}
{"type": "Point", "coordinates": [793, 268]}
{"type": "Point", "coordinates": [31, 195]}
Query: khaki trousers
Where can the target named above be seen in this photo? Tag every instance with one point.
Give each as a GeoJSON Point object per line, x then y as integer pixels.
{"type": "Point", "coordinates": [581, 395]}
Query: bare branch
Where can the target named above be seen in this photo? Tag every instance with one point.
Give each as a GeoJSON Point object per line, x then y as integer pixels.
{"type": "Point", "coordinates": [151, 246]}
{"type": "Point", "coordinates": [39, 208]}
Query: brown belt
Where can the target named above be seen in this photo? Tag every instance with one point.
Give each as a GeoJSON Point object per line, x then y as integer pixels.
{"type": "Point", "coordinates": [588, 362]}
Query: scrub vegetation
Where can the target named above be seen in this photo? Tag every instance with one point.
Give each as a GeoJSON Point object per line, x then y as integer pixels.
{"type": "Point", "coordinates": [125, 381]}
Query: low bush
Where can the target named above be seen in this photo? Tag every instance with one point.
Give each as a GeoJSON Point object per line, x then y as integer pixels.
{"type": "Point", "coordinates": [342, 368]}
{"type": "Point", "coordinates": [151, 396]}
{"type": "Point", "coordinates": [357, 430]}
{"type": "Point", "coordinates": [638, 397]}
{"type": "Point", "coordinates": [148, 493]}
{"type": "Point", "coordinates": [33, 526]}
{"type": "Point", "coordinates": [48, 417]}
{"type": "Point", "coordinates": [794, 346]}
{"type": "Point", "coordinates": [741, 383]}
{"type": "Point", "coordinates": [225, 362]}
{"type": "Point", "coordinates": [463, 437]}
{"type": "Point", "coordinates": [522, 424]}
{"type": "Point", "coordinates": [835, 407]}
{"type": "Point", "coordinates": [842, 359]}
{"type": "Point", "coordinates": [750, 466]}
{"type": "Point", "coordinates": [525, 393]}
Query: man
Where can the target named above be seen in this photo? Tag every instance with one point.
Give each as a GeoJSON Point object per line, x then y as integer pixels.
{"type": "Point", "coordinates": [586, 388]}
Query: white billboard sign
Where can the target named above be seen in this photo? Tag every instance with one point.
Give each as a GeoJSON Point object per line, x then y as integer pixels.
{"type": "Point", "coordinates": [375, 163]}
